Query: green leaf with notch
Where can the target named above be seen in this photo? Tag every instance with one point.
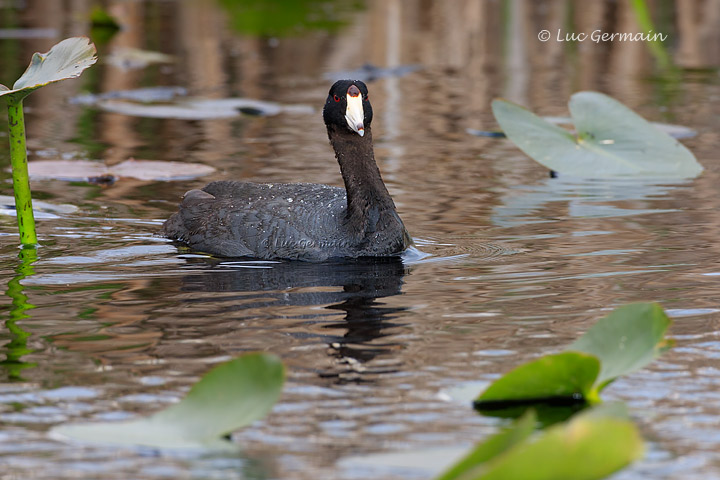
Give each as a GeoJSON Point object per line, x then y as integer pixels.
{"type": "Point", "coordinates": [591, 446]}
{"type": "Point", "coordinates": [611, 141]}
{"type": "Point", "coordinates": [626, 340]}
{"type": "Point", "coordinates": [231, 396]}
{"type": "Point", "coordinates": [493, 446]}
{"type": "Point", "coordinates": [565, 375]}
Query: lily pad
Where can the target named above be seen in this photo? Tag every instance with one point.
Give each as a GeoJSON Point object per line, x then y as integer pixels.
{"type": "Point", "coordinates": [561, 377]}
{"type": "Point", "coordinates": [611, 141]}
{"type": "Point", "coordinates": [87, 170]}
{"type": "Point", "coordinates": [42, 210]}
{"type": "Point", "coordinates": [591, 446]}
{"type": "Point", "coordinates": [492, 447]}
{"type": "Point", "coordinates": [620, 343]}
{"type": "Point", "coordinates": [626, 340]}
{"type": "Point", "coordinates": [230, 396]}
{"type": "Point", "coordinates": [127, 58]}
{"type": "Point", "coordinates": [142, 95]}
{"type": "Point", "coordinates": [676, 131]}
{"type": "Point", "coordinates": [202, 109]}
{"type": "Point", "coordinates": [65, 60]}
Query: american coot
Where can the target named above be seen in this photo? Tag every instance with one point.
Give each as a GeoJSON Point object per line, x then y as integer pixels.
{"type": "Point", "coordinates": [302, 221]}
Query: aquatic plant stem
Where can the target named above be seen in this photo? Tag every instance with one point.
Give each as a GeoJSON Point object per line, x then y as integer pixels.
{"type": "Point", "coordinates": [21, 179]}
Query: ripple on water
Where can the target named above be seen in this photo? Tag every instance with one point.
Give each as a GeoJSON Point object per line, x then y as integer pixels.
{"type": "Point", "coordinates": [457, 248]}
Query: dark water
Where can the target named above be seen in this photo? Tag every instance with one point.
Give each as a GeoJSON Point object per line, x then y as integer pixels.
{"type": "Point", "coordinates": [111, 321]}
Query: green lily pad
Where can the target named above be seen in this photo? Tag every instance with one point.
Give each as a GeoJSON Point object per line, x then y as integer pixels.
{"type": "Point", "coordinates": [591, 446]}
{"type": "Point", "coordinates": [493, 446]}
{"type": "Point", "coordinates": [563, 377]}
{"type": "Point", "coordinates": [620, 343]}
{"type": "Point", "coordinates": [626, 340]}
{"type": "Point", "coordinates": [230, 396]}
{"type": "Point", "coordinates": [611, 141]}
{"type": "Point", "coordinates": [66, 59]}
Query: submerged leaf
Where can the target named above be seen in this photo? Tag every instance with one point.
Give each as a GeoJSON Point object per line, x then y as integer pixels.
{"type": "Point", "coordinates": [626, 340]}
{"type": "Point", "coordinates": [611, 141]}
{"type": "Point", "coordinates": [230, 396]}
{"type": "Point", "coordinates": [65, 60]}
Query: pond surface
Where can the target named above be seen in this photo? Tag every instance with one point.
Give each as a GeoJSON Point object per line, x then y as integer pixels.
{"type": "Point", "coordinates": [111, 321]}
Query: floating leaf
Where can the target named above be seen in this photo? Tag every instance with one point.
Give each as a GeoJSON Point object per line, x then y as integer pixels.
{"type": "Point", "coordinates": [675, 131]}
{"type": "Point", "coordinates": [591, 446]}
{"type": "Point", "coordinates": [492, 447]}
{"type": "Point", "coordinates": [230, 396]}
{"type": "Point", "coordinates": [142, 95]}
{"type": "Point", "coordinates": [42, 210]}
{"type": "Point", "coordinates": [202, 109]}
{"type": "Point", "coordinates": [134, 58]}
{"type": "Point", "coordinates": [612, 141]}
{"type": "Point", "coordinates": [620, 343]}
{"type": "Point", "coordinates": [65, 60]}
{"type": "Point", "coordinates": [626, 340]}
{"type": "Point", "coordinates": [516, 443]}
{"type": "Point", "coordinates": [87, 170]}
{"type": "Point", "coordinates": [561, 377]}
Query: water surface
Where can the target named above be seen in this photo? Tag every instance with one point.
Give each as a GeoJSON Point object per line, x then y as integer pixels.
{"type": "Point", "coordinates": [111, 321]}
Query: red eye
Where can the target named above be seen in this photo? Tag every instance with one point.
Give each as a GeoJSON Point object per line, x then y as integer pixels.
{"type": "Point", "coordinates": [336, 98]}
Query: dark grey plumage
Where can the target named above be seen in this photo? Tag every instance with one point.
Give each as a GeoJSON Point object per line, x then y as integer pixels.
{"type": "Point", "coordinates": [302, 221]}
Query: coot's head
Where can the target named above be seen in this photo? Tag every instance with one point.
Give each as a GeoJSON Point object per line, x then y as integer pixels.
{"type": "Point", "coordinates": [347, 107]}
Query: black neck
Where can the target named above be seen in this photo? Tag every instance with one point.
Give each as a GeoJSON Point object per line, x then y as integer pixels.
{"type": "Point", "coordinates": [367, 195]}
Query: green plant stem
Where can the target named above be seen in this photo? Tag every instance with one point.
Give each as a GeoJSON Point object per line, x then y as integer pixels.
{"type": "Point", "coordinates": [21, 179]}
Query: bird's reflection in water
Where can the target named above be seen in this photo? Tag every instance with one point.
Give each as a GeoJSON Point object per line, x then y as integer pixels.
{"type": "Point", "coordinates": [361, 283]}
